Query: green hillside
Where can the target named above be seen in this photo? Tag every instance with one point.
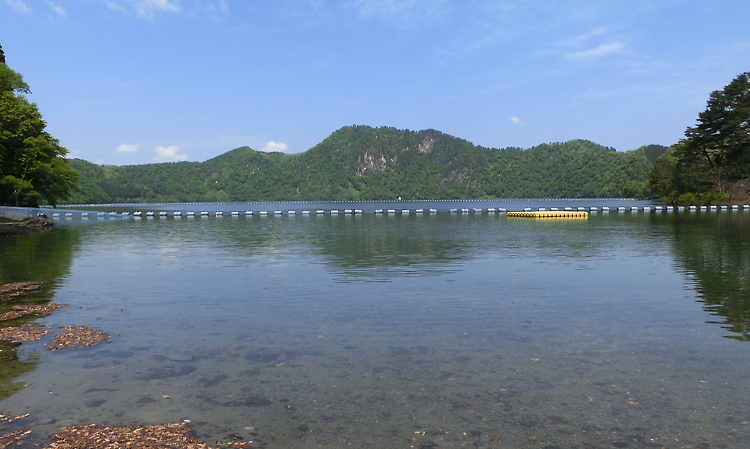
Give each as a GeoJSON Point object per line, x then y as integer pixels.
{"type": "Point", "coordinates": [365, 163]}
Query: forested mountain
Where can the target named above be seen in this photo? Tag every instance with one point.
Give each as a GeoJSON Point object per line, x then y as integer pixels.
{"type": "Point", "coordinates": [365, 163]}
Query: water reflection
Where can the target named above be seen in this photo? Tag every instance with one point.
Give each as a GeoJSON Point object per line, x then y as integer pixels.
{"type": "Point", "coordinates": [485, 329]}
{"type": "Point", "coordinates": [714, 250]}
{"type": "Point", "coordinates": [43, 256]}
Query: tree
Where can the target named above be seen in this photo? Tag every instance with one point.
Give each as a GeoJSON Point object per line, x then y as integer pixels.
{"type": "Point", "coordinates": [721, 135]}
{"type": "Point", "coordinates": [713, 151]}
{"type": "Point", "coordinates": [32, 164]}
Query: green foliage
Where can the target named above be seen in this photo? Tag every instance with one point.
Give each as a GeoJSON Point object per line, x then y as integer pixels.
{"type": "Point", "coordinates": [713, 152]}
{"type": "Point", "coordinates": [653, 152]}
{"type": "Point", "coordinates": [32, 164]}
{"type": "Point", "coordinates": [365, 163]}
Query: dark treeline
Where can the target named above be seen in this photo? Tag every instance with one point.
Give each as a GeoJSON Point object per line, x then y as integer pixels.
{"type": "Point", "coordinates": [711, 162]}
{"type": "Point", "coordinates": [365, 163]}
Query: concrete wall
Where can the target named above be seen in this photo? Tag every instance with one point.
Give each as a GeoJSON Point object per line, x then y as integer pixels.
{"type": "Point", "coordinates": [22, 213]}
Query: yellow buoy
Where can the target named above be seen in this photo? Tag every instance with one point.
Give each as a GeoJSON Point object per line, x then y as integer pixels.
{"type": "Point", "coordinates": [548, 214]}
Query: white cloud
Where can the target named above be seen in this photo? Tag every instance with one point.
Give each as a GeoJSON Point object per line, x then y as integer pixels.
{"type": "Point", "coordinates": [399, 12]}
{"type": "Point", "coordinates": [58, 9]}
{"type": "Point", "coordinates": [114, 6]}
{"type": "Point", "coordinates": [585, 37]}
{"type": "Point", "coordinates": [144, 8]}
{"type": "Point", "coordinates": [275, 146]}
{"type": "Point", "coordinates": [125, 148]}
{"type": "Point", "coordinates": [18, 5]}
{"type": "Point", "coordinates": [169, 154]}
{"type": "Point", "coordinates": [387, 7]}
{"type": "Point", "coordinates": [516, 121]}
{"type": "Point", "coordinates": [598, 52]}
{"type": "Point", "coordinates": [218, 6]}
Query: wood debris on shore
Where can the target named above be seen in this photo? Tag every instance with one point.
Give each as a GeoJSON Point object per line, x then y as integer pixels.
{"type": "Point", "coordinates": [162, 436]}
{"type": "Point", "coordinates": [22, 334]}
{"type": "Point", "coordinates": [13, 437]}
{"type": "Point", "coordinates": [14, 289]}
{"type": "Point", "coordinates": [30, 309]}
{"type": "Point", "coordinates": [78, 337]}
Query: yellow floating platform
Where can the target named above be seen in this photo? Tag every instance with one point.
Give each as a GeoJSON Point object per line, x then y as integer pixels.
{"type": "Point", "coordinates": [549, 214]}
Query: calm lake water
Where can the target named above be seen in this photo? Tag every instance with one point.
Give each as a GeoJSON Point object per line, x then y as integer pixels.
{"type": "Point", "coordinates": [626, 329]}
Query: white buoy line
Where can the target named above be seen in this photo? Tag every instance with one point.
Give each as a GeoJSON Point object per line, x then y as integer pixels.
{"type": "Point", "coordinates": [404, 212]}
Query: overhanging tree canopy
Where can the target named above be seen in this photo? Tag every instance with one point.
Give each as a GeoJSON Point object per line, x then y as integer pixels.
{"type": "Point", "coordinates": [721, 136]}
{"type": "Point", "coordinates": [714, 151]}
{"type": "Point", "coordinates": [32, 164]}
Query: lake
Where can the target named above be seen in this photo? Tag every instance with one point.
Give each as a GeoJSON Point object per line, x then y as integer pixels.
{"type": "Point", "coordinates": [626, 329]}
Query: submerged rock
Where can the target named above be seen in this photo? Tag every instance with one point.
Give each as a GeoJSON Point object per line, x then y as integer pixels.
{"type": "Point", "coordinates": [40, 221]}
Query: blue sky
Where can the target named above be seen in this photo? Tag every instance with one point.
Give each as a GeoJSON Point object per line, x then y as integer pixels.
{"type": "Point", "coordinates": [141, 81]}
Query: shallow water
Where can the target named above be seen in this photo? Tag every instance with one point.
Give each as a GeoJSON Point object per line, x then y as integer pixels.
{"type": "Point", "coordinates": [622, 330]}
